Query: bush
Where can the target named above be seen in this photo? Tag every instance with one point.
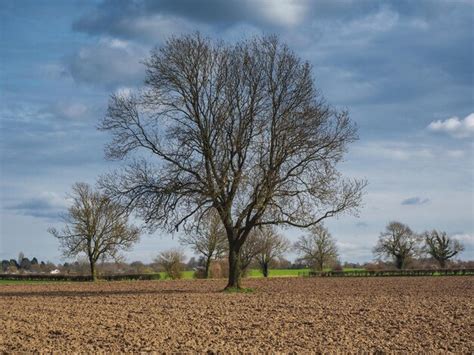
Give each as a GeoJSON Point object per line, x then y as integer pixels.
{"type": "Point", "coordinates": [199, 273]}
{"type": "Point", "coordinates": [172, 263]}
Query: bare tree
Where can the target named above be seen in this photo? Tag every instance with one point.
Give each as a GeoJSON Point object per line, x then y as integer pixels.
{"type": "Point", "coordinates": [271, 247]}
{"type": "Point", "coordinates": [317, 248]}
{"type": "Point", "coordinates": [95, 226]}
{"type": "Point", "coordinates": [249, 251]}
{"type": "Point", "coordinates": [21, 256]}
{"type": "Point", "coordinates": [441, 247]}
{"type": "Point", "coordinates": [237, 127]}
{"type": "Point", "coordinates": [172, 262]}
{"type": "Point", "coordinates": [398, 242]}
{"type": "Point", "coordinates": [208, 239]}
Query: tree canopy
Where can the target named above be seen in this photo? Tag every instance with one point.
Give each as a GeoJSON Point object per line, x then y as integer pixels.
{"type": "Point", "coordinates": [238, 127]}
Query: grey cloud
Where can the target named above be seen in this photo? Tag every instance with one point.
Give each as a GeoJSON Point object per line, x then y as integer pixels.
{"type": "Point", "coordinates": [46, 205]}
{"type": "Point", "coordinates": [119, 17]}
{"type": "Point", "coordinates": [354, 251]}
{"type": "Point", "coordinates": [109, 63]}
{"type": "Point", "coordinates": [415, 201]}
{"type": "Point", "coordinates": [123, 18]}
{"type": "Point", "coordinates": [468, 241]}
{"type": "Point", "coordinates": [357, 47]}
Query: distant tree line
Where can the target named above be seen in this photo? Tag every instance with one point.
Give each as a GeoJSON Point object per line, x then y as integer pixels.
{"type": "Point", "coordinates": [398, 247]}
{"type": "Point", "coordinates": [97, 228]}
{"type": "Point", "coordinates": [24, 264]}
{"type": "Point", "coordinates": [402, 246]}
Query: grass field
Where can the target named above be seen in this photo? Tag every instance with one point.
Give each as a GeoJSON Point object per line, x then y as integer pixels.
{"type": "Point", "coordinates": [287, 272]}
{"type": "Point", "coordinates": [188, 275]}
{"type": "Point", "coordinates": [279, 272]}
{"type": "Point", "coordinates": [255, 273]}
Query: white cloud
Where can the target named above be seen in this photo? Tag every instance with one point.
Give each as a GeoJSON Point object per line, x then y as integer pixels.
{"type": "Point", "coordinates": [283, 12]}
{"type": "Point", "coordinates": [459, 128]}
{"type": "Point", "coordinates": [395, 150]}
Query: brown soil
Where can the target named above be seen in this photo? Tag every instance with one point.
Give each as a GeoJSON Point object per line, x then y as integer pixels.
{"type": "Point", "coordinates": [282, 315]}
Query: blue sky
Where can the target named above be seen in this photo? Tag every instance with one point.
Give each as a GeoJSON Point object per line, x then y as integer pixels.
{"type": "Point", "coordinates": [404, 70]}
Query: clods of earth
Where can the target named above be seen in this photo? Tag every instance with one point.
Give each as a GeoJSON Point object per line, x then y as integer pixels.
{"type": "Point", "coordinates": [387, 314]}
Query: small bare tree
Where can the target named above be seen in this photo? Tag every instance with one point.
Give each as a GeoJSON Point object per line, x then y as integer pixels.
{"type": "Point", "coordinates": [208, 239]}
{"type": "Point", "coordinates": [172, 262]}
{"type": "Point", "coordinates": [399, 243]}
{"type": "Point", "coordinates": [21, 256]}
{"type": "Point", "coordinates": [317, 248]}
{"type": "Point", "coordinates": [249, 251]}
{"type": "Point", "coordinates": [239, 128]}
{"type": "Point", "coordinates": [441, 247]}
{"type": "Point", "coordinates": [271, 247]}
{"type": "Point", "coordinates": [95, 226]}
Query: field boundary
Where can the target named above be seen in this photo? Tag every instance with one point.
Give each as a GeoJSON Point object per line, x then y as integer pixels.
{"type": "Point", "coordinates": [372, 273]}
{"type": "Point", "coordinates": [157, 276]}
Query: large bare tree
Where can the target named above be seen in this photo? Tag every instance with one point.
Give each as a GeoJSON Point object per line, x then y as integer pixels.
{"type": "Point", "coordinates": [399, 243]}
{"type": "Point", "coordinates": [208, 239]}
{"type": "Point", "coordinates": [317, 248]}
{"type": "Point", "coordinates": [95, 226]}
{"type": "Point", "coordinates": [441, 247]}
{"type": "Point", "coordinates": [272, 245]}
{"type": "Point", "coordinates": [237, 127]}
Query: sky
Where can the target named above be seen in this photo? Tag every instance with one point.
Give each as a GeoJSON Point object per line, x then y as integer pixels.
{"type": "Point", "coordinates": [403, 69]}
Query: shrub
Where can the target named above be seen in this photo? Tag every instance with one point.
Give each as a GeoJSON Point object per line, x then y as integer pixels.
{"type": "Point", "coordinates": [172, 263]}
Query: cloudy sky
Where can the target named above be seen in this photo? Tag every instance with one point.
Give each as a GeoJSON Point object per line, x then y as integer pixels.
{"type": "Point", "coordinates": [404, 70]}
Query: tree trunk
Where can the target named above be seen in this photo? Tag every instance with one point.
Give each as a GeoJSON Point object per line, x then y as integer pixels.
{"type": "Point", "coordinates": [442, 263]}
{"type": "Point", "coordinates": [265, 269]}
{"type": "Point", "coordinates": [234, 266]}
{"type": "Point", "coordinates": [93, 271]}
{"type": "Point", "coordinates": [206, 271]}
{"type": "Point", "coordinates": [321, 266]}
{"type": "Point", "coordinates": [399, 263]}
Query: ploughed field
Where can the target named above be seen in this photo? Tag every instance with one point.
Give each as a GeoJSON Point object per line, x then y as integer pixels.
{"type": "Point", "coordinates": [282, 314]}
